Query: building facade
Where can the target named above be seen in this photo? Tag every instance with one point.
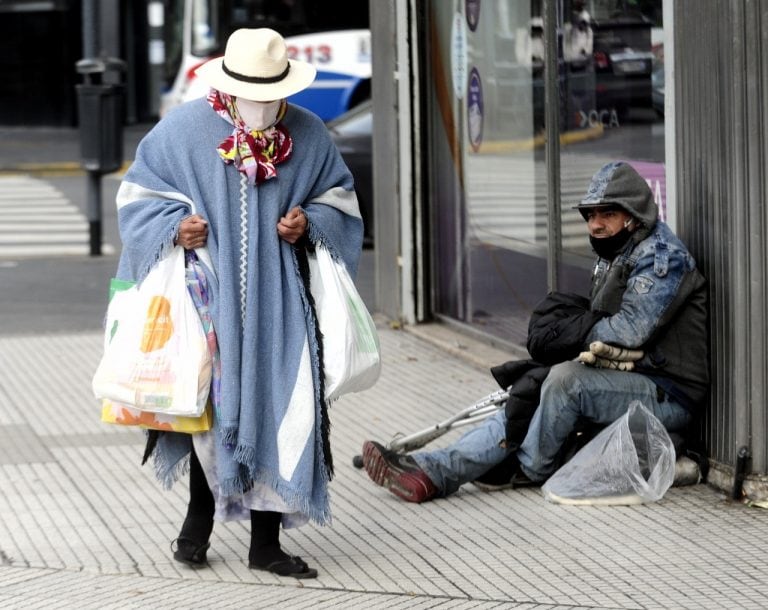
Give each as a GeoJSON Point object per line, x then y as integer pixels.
{"type": "Point", "coordinates": [490, 118]}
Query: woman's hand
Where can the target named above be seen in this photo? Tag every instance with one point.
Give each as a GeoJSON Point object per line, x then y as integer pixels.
{"type": "Point", "coordinates": [193, 232]}
{"type": "Point", "coordinates": [292, 226]}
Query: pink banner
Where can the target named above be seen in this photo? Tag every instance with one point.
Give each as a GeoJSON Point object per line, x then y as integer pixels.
{"type": "Point", "coordinates": [655, 176]}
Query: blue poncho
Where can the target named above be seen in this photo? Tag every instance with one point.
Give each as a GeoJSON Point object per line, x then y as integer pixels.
{"type": "Point", "coordinates": [271, 426]}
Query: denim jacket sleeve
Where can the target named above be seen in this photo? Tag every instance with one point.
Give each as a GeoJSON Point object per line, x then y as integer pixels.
{"type": "Point", "coordinates": [657, 286]}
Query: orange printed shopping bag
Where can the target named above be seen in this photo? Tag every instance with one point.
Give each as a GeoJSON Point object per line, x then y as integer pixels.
{"type": "Point", "coordinates": [156, 355]}
{"type": "Point", "coordinates": [114, 413]}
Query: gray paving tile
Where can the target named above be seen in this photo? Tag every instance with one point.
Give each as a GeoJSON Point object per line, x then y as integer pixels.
{"type": "Point", "coordinates": [83, 525]}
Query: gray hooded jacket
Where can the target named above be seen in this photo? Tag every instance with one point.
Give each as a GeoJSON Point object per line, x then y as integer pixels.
{"type": "Point", "coordinates": [655, 295]}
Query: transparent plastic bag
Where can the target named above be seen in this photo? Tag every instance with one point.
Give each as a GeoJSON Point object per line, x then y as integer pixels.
{"type": "Point", "coordinates": [632, 461]}
{"type": "Point", "coordinates": [351, 352]}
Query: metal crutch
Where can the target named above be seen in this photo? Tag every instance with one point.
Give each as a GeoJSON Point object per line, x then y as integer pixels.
{"type": "Point", "coordinates": [469, 415]}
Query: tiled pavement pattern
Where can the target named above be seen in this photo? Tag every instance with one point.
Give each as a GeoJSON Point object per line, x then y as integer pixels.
{"type": "Point", "coordinates": [83, 525]}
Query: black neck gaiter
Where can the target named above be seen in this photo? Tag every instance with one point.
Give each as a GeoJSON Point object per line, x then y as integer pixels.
{"type": "Point", "coordinates": [609, 247]}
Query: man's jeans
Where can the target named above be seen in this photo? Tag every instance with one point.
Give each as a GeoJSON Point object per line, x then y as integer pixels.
{"type": "Point", "coordinates": [570, 391]}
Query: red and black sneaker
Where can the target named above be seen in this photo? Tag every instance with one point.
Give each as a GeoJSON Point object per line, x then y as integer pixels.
{"type": "Point", "coordinates": [397, 472]}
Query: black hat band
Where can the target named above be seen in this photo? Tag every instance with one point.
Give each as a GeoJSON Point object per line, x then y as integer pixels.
{"type": "Point", "coordinates": [263, 80]}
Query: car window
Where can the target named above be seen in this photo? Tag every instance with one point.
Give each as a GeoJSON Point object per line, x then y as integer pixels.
{"type": "Point", "coordinates": [358, 122]}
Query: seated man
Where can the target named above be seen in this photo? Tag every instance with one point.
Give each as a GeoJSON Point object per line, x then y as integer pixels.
{"type": "Point", "coordinates": [648, 297]}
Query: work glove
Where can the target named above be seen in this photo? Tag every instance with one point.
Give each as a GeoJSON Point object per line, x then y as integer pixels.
{"type": "Point", "coordinates": [604, 356]}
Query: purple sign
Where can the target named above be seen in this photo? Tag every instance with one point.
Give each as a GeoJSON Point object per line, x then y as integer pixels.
{"type": "Point", "coordinates": [472, 11]}
{"type": "Point", "coordinates": [475, 109]}
{"type": "Point", "coordinates": [656, 177]}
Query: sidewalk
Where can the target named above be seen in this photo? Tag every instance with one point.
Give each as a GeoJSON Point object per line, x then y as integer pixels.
{"type": "Point", "coordinates": [83, 525]}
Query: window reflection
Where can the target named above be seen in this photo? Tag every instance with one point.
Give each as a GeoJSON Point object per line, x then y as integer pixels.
{"type": "Point", "coordinates": [489, 187]}
{"type": "Point", "coordinates": [616, 117]}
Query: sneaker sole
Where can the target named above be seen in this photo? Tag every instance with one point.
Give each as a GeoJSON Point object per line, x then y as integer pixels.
{"type": "Point", "coordinates": [513, 484]}
{"type": "Point", "coordinates": [375, 465]}
{"type": "Point", "coordinates": [491, 487]}
{"type": "Point", "coordinates": [399, 483]}
{"type": "Point", "coordinates": [412, 491]}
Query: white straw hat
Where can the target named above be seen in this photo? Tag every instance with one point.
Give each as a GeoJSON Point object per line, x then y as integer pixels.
{"type": "Point", "coordinates": [255, 66]}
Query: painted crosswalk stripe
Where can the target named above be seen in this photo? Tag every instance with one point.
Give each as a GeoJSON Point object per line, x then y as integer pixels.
{"type": "Point", "coordinates": [37, 220]}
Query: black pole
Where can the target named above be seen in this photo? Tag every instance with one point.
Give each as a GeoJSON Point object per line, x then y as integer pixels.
{"type": "Point", "coordinates": [94, 212]}
{"type": "Point", "coordinates": [100, 114]}
{"type": "Point", "coordinates": [90, 23]}
{"type": "Point", "coordinates": [91, 49]}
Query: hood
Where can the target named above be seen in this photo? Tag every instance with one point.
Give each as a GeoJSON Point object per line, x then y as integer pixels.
{"type": "Point", "coordinates": [619, 184]}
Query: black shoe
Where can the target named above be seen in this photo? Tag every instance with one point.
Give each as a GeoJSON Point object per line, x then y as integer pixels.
{"type": "Point", "coordinates": [290, 566]}
{"type": "Point", "coordinates": [505, 475]}
{"type": "Point", "coordinates": [189, 552]}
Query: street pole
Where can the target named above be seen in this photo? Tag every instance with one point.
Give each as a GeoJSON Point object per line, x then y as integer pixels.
{"type": "Point", "coordinates": [94, 212]}
{"type": "Point", "coordinates": [552, 118]}
{"type": "Point", "coordinates": [156, 20]}
{"type": "Point", "coordinates": [100, 118]}
{"type": "Point", "coordinates": [91, 47]}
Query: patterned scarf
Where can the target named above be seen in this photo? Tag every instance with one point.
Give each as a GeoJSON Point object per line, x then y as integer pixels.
{"type": "Point", "coordinates": [254, 153]}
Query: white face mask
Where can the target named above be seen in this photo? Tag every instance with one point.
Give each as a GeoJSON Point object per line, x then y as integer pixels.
{"type": "Point", "coordinates": [258, 115]}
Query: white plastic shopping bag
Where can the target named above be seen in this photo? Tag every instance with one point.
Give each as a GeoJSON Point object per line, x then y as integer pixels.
{"type": "Point", "coordinates": [156, 355]}
{"type": "Point", "coordinates": [351, 355]}
{"type": "Point", "coordinates": [632, 461]}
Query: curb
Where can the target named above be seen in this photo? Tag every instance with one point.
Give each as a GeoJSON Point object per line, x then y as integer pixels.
{"type": "Point", "coordinates": [569, 137]}
{"type": "Point", "coordinates": [56, 169]}
{"type": "Point", "coordinates": [472, 351]}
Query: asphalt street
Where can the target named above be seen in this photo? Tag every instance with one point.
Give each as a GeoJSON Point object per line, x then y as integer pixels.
{"type": "Point", "coordinates": [40, 293]}
{"type": "Point", "coordinates": [58, 293]}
